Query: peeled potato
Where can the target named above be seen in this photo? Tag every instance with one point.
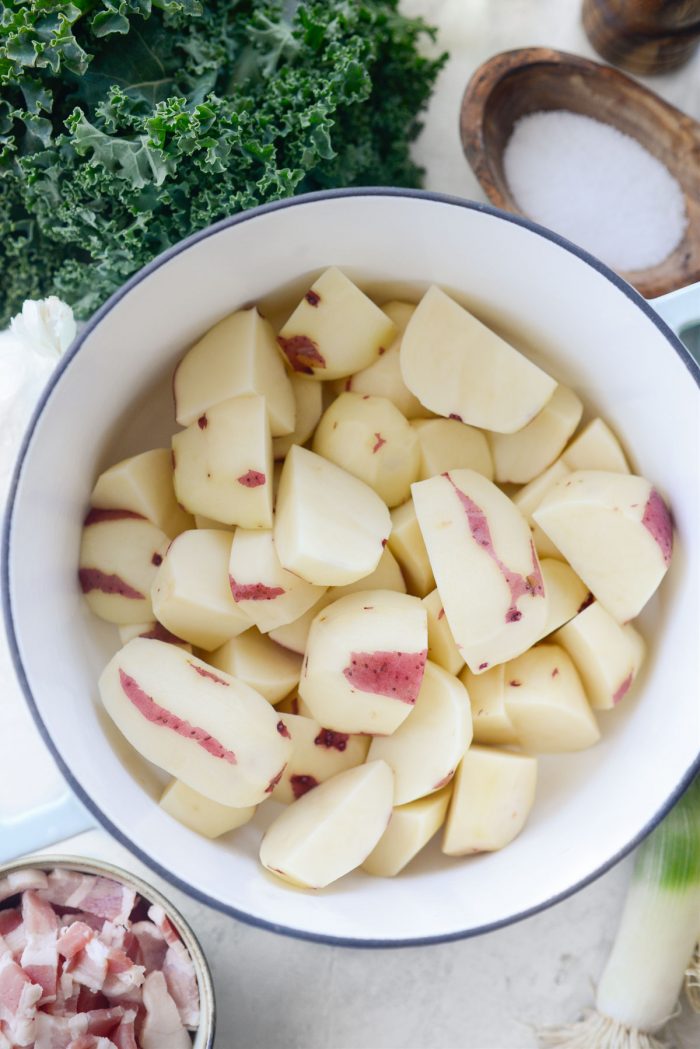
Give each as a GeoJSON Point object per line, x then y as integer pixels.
{"type": "Point", "coordinates": [143, 484]}
{"type": "Point", "coordinates": [308, 398]}
{"type": "Point", "coordinates": [237, 356]}
{"type": "Point", "coordinates": [365, 660]}
{"type": "Point", "coordinates": [487, 695]}
{"type": "Point", "coordinates": [446, 444]}
{"type": "Point", "coordinates": [331, 830]}
{"type": "Point", "coordinates": [470, 373]}
{"type": "Point", "coordinates": [201, 814]}
{"type": "Point", "coordinates": [383, 377]}
{"type": "Point", "coordinates": [317, 754]}
{"type": "Point", "coordinates": [371, 439]}
{"type": "Point", "coordinates": [485, 566]}
{"type": "Point", "coordinates": [520, 457]}
{"type": "Point", "coordinates": [492, 795]}
{"type": "Point", "coordinates": [442, 648]}
{"type": "Point", "coordinates": [607, 656]}
{"type": "Point", "coordinates": [330, 528]}
{"type": "Point", "coordinates": [410, 829]}
{"type": "Point", "coordinates": [425, 750]}
{"type": "Point", "coordinates": [408, 547]}
{"type": "Point", "coordinates": [335, 330]}
{"type": "Point", "coordinates": [596, 448]}
{"type": "Point", "coordinates": [616, 533]}
{"type": "Point", "coordinates": [253, 658]}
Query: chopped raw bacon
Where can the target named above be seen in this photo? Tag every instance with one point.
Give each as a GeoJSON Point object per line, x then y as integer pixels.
{"type": "Point", "coordinates": [160, 919]}
{"type": "Point", "coordinates": [18, 1002]}
{"type": "Point", "coordinates": [152, 947]}
{"type": "Point", "coordinates": [101, 896]}
{"type": "Point", "coordinates": [74, 939]}
{"type": "Point", "coordinates": [18, 881]}
{"type": "Point", "coordinates": [161, 1025]}
{"type": "Point", "coordinates": [40, 956]}
{"type": "Point", "coordinates": [75, 973]}
{"type": "Point", "coordinates": [123, 1036]}
{"type": "Point", "coordinates": [89, 966]}
{"type": "Point", "coordinates": [180, 977]}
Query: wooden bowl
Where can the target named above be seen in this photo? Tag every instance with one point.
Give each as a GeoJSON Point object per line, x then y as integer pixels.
{"type": "Point", "coordinates": [528, 80]}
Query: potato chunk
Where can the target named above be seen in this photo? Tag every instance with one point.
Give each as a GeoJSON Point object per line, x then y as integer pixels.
{"type": "Point", "coordinates": [546, 704]}
{"type": "Point", "coordinates": [492, 796]}
{"type": "Point", "coordinates": [485, 566]}
{"type": "Point", "coordinates": [317, 754]}
{"type": "Point", "coordinates": [223, 463]}
{"type": "Point", "coordinates": [425, 750]}
{"type": "Point", "coordinates": [487, 695]}
{"type": "Point", "coordinates": [407, 545]}
{"type": "Point", "coordinates": [365, 661]}
{"type": "Point", "coordinates": [308, 397]}
{"type": "Point", "coordinates": [470, 373]}
{"type": "Point", "coordinates": [616, 533]}
{"type": "Point", "coordinates": [371, 439]}
{"type": "Point", "coordinates": [596, 448]}
{"type": "Point", "coordinates": [528, 498]}
{"type": "Point", "coordinates": [522, 456]}
{"type": "Point", "coordinates": [386, 576]}
{"type": "Point", "coordinates": [200, 814]}
{"type": "Point", "coordinates": [383, 377]}
{"type": "Point", "coordinates": [566, 594]}
{"type": "Point", "coordinates": [331, 830]}
{"type": "Point", "coordinates": [335, 330]}
{"type": "Point", "coordinates": [143, 484]}
{"type": "Point", "coordinates": [257, 661]}
{"type": "Point", "coordinates": [330, 528]}
{"type": "Point", "coordinates": [410, 829]}
{"type": "Point", "coordinates": [442, 648]}
{"type": "Point", "coordinates": [237, 356]}
{"type": "Point", "coordinates": [446, 444]}
{"type": "Point", "coordinates": [607, 656]}
{"type": "Point", "coordinates": [191, 593]}
{"type": "Point", "coordinates": [266, 593]}
{"type": "Point", "coordinates": [205, 728]}
{"type": "Point", "coordinates": [119, 557]}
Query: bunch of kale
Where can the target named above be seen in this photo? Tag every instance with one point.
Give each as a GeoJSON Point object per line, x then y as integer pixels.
{"type": "Point", "coordinates": [127, 124]}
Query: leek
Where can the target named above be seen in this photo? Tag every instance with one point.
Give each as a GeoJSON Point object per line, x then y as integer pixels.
{"type": "Point", "coordinates": [638, 991]}
{"type": "Point", "coordinates": [692, 980]}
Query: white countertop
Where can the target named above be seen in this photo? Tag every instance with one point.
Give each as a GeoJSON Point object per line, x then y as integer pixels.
{"type": "Point", "coordinates": [490, 992]}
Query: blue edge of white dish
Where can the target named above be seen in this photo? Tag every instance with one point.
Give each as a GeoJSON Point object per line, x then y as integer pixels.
{"type": "Point", "coordinates": [66, 816]}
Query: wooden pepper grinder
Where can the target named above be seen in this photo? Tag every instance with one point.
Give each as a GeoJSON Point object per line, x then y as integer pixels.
{"type": "Point", "coordinates": [643, 36]}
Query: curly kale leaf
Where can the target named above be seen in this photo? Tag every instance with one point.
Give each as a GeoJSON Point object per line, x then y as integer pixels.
{"type": "Point", "coordinates": [126, 125]}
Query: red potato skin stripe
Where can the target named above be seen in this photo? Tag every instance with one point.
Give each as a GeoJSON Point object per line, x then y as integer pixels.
{"type": "Point", "coordinates": [302, 353]}
{"type": "Point", "coordinates": [518, 584]}
{"type": "Point", "coordinates": [209, 674]}
{"type": "Point", "coordinates": [100, 516]}
{"type": "Point", "coordinates": [96, 579]}
{"type": "Point", "coordinates": [624, 688]}
{"type": "Point", "coordinates": [275, 780]}
{"type": "Point", "coordinates": [302, 785]}
{"type": "Point", "coordinates": [254, 591]}
{"type": "Point", "coordinates": [283, 730]}
{"type": "Point", "coordinates": [657, 521]}
{"type": "Point", "coordinates": [397, 675]}
{"type": "Point", "coordinates": [252, 479]}
{"type": "Point", "coordinates": [312, 297]}
{"type": "Point", "coordinates": [158, 715]}
{"type": "Point", "coordinates": [159, 633]}
{"type": "Point", "coordinates": [380, 441]}
{"type": "Point", "coordinates": [332, 740]}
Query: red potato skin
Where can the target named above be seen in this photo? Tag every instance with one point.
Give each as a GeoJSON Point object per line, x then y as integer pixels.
{"type": "Point", "coordinates": [657, 521]}
{"type": "Point", "coordinates": [252, 479]}
{"type": "Point", "coordinates": [95, 516]}
{"type": "Point", "coordinates": [254, 591]}
{"type": "Point", "coordinates": [397, 675]}
{"type": "Point", "coordinates": [209, 674]}
{"type": "Point", "coordinates": [302, 785]}
{"type": "Point", "coordinates": [96, 579]}
{"type": "Point", "coordinates": [330, 739]}
{"type": "Point", "coordinates": [302, 353]}
{"type": "Point", "coordinates": [623, 689]}
{"type": "Point", "coordinates": [158, 715]}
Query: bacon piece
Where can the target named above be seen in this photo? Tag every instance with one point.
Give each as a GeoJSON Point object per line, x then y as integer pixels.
{"type": "Point", "coordinates": [123, 1036]}
{"type": "Point", "coordinates": [91, 1001]}
{"type": "Point", "coordinates": [103, 1021]}
{"type": "Point", "coordinates": [161, 1025]}
{"type": "Point", "coordinates": [180, 977]}
{"type": "Point", "coordinates": [18, 881]}
{"type": "Point", "coordinates": [151, 946]}
{"type": "Point", "coordinates": [5, 1042]}
{"type": "Point", "coordinates": [89, 966]}
{"type": "Point", "coordinates": [18, 1002]}
{"type": "Point", "coordinates": [74, 939]}
{"type": "Point", "coordinates": [69, 918]}
{"type": "Point", "coordinates": [14, 933]}
{"type": "Point", "coordinates": [89, 1041]}
{"type": "Point", "coordinates": [100, 896]}
{"type": "Point", "coordinates": [67, 997]}
{"type": "Point", "coordinates": [40, 956]}
{"type": "Point", "coordinates": [122, 974]}
{"type": "Point", "coordinates": [162, 922]}
{"type": "Point", "coordinates": [57, 1032]}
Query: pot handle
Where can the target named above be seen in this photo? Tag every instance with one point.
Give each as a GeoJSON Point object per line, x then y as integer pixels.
{"type": "Point", "coordinates": [681, 311]}
{"type": "Point", "coordinates": [60, 818]}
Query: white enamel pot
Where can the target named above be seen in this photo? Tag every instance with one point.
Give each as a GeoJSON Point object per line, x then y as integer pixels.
{"type": "Point", "coordinates": [111, 397]}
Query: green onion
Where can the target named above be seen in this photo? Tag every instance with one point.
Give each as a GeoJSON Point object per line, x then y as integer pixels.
{"type": "Point", "coordinates": [692, 980]}
{"type": "Point", "coordinates": [640, 985]}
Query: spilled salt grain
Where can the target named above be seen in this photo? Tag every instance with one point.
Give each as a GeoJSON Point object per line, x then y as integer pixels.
{"type": "Point", "coordinates": [597, 186]}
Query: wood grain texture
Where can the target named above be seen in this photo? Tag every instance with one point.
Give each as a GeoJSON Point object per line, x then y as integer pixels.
{"type": "Point", "coordinates": [643, 36]}
{"type": "Point", "coordinates": [528, 80]}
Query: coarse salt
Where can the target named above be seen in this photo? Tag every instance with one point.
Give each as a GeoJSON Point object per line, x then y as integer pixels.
{"type": "Point", "coordinates": [597, 186]}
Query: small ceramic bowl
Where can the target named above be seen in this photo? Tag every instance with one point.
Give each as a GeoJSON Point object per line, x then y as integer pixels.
{"type": "Point", "coordinates": [111, 397]}
{"type": "Point", "coordinates": [203, 1038]}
